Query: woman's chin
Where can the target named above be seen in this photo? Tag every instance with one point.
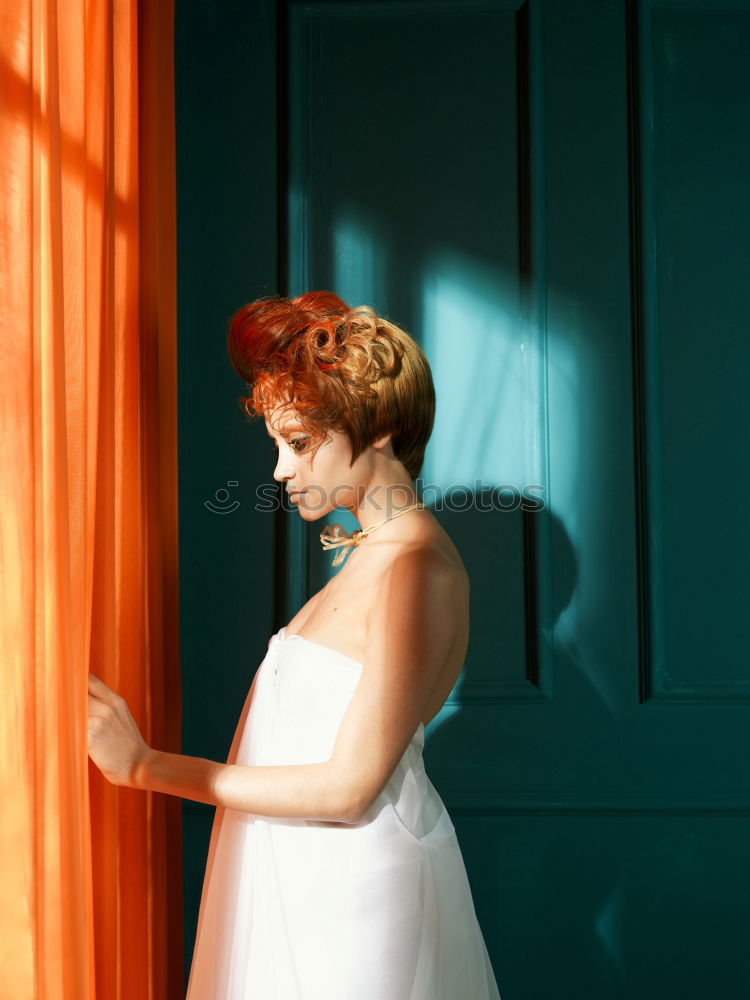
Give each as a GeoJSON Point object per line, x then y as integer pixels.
{"type": "Point", "coordinates": [308, 513]}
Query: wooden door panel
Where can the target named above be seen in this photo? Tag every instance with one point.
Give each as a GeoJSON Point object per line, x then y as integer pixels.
{"type": "Point", "coordinates": [552, 197]}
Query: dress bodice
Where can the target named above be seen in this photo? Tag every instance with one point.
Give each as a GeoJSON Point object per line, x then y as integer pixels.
{"type": "Point", "coordinates": [298, 909]}
{"type": "Point", "coordinates": [302, 693]}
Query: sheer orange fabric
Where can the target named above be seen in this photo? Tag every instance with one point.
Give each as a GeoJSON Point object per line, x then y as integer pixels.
{"type": "Point", "coordinates": [90, 874]}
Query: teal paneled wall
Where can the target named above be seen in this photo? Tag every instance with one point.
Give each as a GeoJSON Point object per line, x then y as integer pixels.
{"type": "Point", "coordinates": [225, 93]}
{"type": "Point", "coordinates": [552, 197]}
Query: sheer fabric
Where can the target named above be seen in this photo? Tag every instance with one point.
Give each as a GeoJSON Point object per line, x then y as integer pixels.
{"type": "Point", "coordinates": [91, 901]}
{"type": "Point", "coordinates": [310, 910]}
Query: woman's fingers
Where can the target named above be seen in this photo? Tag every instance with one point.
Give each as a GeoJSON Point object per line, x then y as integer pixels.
{"type": "Point", "coordinates": [115, 743]}
{"type": "Point", "coordinates": [99, 690]}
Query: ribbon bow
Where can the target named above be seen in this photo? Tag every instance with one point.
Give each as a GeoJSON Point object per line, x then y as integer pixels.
{"type": "Point", "coordinates": [334, 537]}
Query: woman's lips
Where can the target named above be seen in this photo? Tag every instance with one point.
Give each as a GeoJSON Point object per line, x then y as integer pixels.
{"type": "Point", "coordinates": [293, 496]}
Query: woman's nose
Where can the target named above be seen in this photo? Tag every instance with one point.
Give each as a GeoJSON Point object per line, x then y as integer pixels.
{"type": "Point", "coordinates": [283, 469]}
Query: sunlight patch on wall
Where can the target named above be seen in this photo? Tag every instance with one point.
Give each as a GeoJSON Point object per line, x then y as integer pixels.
{"type": "Point", "coordinates": [358, 260]}
{"type": "Point", "coordinates": [486, 366]}
{"type": "Point", "coordinates": [298, 233]}
{"type": "Point", "coordinates": [358, 257]}
{"type": "Point", "coordinates": [609, 924]}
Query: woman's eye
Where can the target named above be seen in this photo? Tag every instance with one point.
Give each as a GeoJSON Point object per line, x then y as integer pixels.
{"type": "Point", "coordinates": [301, 441]}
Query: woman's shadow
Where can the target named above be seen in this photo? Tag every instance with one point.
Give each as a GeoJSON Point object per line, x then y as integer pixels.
{"type": "Point", "coordinates": [523, 730]}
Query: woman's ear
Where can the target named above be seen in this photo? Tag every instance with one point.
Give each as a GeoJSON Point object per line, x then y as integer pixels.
{"type": "Point", "coordinates": [382, 441]}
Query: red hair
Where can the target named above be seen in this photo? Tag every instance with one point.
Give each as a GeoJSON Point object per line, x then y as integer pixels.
{"type": "Point", "coordinates": [340, 368]}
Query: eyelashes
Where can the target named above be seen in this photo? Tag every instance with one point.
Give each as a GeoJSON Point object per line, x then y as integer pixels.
{"type": "Point", "coordinates": [293, 442]}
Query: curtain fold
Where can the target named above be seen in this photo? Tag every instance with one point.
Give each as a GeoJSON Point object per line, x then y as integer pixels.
{"type": "Point", "coordinates": [91, 898]}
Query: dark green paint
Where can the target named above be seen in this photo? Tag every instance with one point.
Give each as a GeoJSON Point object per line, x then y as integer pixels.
{"type": "Point", "coordinates": [582, 168]}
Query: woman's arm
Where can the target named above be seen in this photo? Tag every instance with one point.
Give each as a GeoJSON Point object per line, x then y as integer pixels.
{"type": "Point", "coordinates": [299, 791]}
{"type": "Point", "coordinates": [411, 630]}
{"type": "Point", "coordinates": [303, 791]}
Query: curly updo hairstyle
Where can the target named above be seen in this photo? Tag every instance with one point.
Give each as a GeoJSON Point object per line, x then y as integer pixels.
{"type": "Point", "coordinates": [341, 369]}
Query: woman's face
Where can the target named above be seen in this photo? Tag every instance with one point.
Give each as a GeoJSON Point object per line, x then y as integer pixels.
{"type": "Point", "coordinates": [316, 483]}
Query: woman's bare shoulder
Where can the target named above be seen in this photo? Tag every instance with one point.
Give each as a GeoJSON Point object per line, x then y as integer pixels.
{"type": "Point", "coordinates": [433, 550]}
{"type": "Point", "coordinates": [431, 563]}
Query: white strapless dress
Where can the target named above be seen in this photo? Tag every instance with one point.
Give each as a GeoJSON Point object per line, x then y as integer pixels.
{"type": "Point", "coordinates": [296, 909]}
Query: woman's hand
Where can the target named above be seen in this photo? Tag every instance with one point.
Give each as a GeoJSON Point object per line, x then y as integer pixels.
{"type": "Point", "coordinates": [115, 742]}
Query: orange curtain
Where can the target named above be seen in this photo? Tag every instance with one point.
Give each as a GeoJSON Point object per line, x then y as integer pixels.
{"type": "Point", "coordinates": [90, 874]}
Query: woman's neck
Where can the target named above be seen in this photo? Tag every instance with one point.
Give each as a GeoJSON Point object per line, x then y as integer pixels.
{"type": "Point", "coordinates": [383, 500]}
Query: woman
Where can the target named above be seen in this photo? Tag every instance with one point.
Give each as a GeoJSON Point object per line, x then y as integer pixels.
{"type": "Point", "coordinates": [333, 871]}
